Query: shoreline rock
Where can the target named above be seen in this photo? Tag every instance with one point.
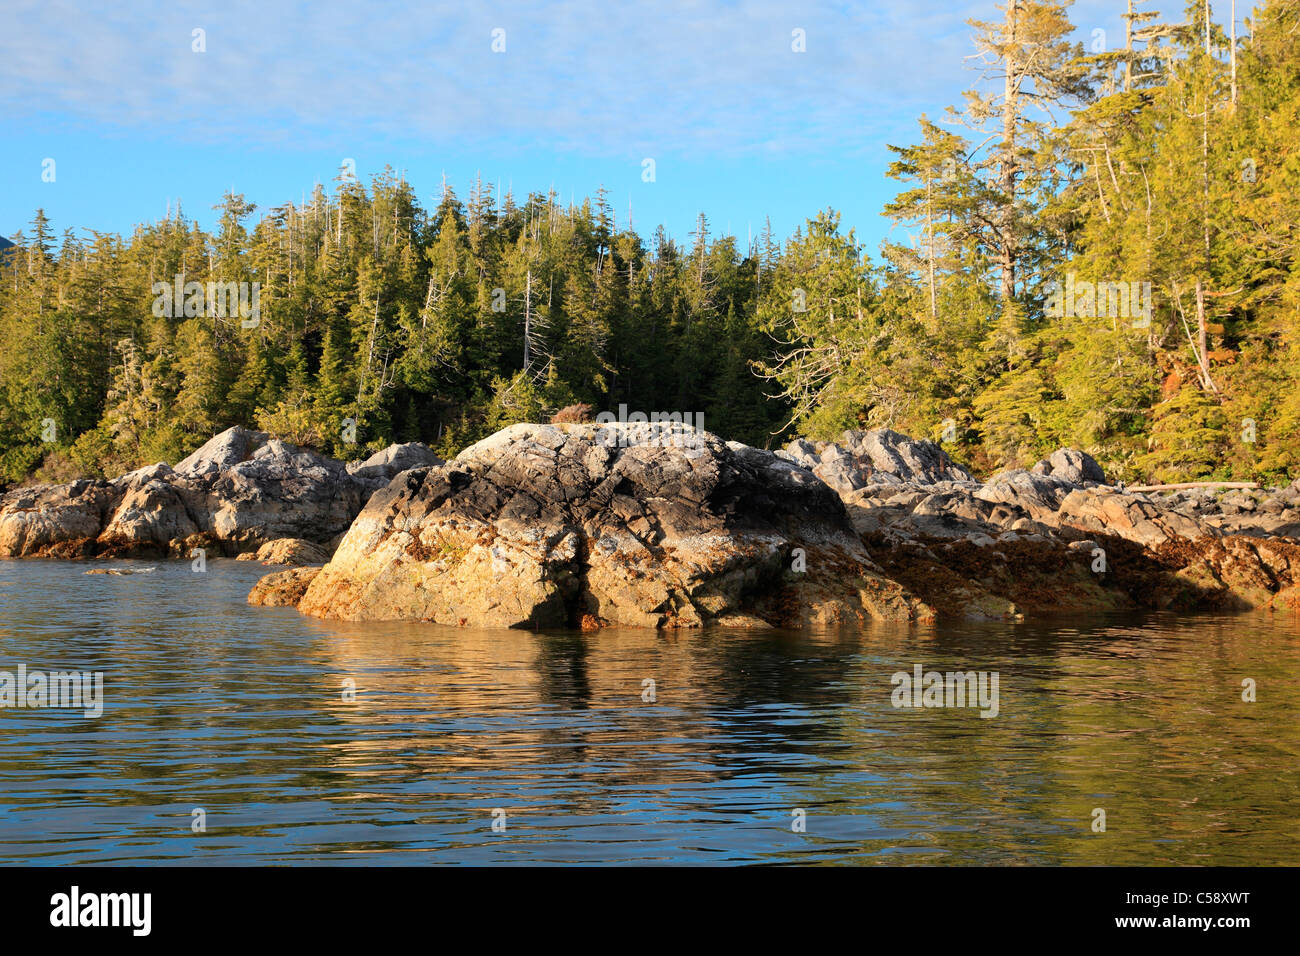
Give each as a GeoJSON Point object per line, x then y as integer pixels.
{"type": "Point", "coordinates": [282, 588]}
{"type": "Point", "coordinates": [289, 551]}
{"type": "Point", "coordinates": [588, 525]}
{"type": "Point", "coordinates": [239, 492]}
{"type": "Point", "coordinates": [1057, 537]}
{"type": "Point", "coordinates": [504, 534]}
{"type": "Point", "coordinates": [880, 456]}
{"type": "Point", "coordinates": [641, 525]}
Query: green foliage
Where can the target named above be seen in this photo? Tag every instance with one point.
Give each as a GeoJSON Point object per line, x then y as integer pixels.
{"type": "Point", "coordinates": [1148, 172]}
{"type": "Point", "coordinates": [438, 327]}
{"type": "Point", "coordinates": [1188, 438]}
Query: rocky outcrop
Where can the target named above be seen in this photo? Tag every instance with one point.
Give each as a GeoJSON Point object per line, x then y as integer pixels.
{"type": "Point", "coordinates": [291, 551]}
{"type": "Point", "coordinates": [1072, 466]}
{"type": "Point", "coordinates": [1058, 537]}
{"type": "Point", "coordinates": [653, 524]}
{"type": "Point", "coordinates": [222, 452]}
{"type": "Point", "coordinates": [637, 524]}
{"type": "Point", "coordinates": [559, 525]}
{"type": "Point", "coordinates": [283, 588]}
{"type": "Point", "coordinates": [383, 466]}
{"type": "Point", "coordinates": [238, 492]}
{"type": "Point", "coordinates": [1138, 518]}
{"type": "Point", "coordinates": [881, 456]}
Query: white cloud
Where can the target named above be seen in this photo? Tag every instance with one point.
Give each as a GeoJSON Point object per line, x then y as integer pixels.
{"type": "Point", "coordinates": [605, 77]}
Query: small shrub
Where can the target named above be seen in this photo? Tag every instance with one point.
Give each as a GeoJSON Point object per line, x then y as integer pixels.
{"type": "Point", "coordinates": [573, 415]}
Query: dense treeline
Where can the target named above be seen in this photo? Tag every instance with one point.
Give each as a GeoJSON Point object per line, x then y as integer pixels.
{"type": "Point", "coordinates": [1169, 166]}
{"type": "Point", "coordinates": [1098, 249]}
{"type": "Point", "coordinates": [376, 321]}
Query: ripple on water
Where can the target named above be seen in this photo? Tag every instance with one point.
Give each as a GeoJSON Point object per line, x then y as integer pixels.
{"type": "Point", "coordinates": [241, 712]}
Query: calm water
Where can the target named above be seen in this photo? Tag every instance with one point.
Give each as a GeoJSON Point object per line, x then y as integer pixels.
{"type": "Point", "coordinates": [241, 712]}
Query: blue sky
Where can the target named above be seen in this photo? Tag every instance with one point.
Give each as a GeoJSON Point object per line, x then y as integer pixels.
{"type": "Point", "coordinates": [739, 126]}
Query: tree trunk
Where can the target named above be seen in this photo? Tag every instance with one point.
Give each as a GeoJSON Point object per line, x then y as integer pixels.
{"type": "Point", "coordinates": [1128, 48]}
{"type": "Point", "coordinates": [1202, 338]}
{"type": "Point", "coordinates": [1232, 53]}
{"type": "Point", "coordinates": [1007, 161]}
{"type": "Point", "coordinates": [528, 316]}
{"type": "Point", "coordinates": [1182, 485]}
{"type": "Point", "coordinates": [929, 229]}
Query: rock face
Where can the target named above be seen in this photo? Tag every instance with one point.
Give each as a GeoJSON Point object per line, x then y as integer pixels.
{"type": "Point", "coordinates": [383, 466]}
{"type": "Point", "coordinates": [652, 524]}
{"type": "Point", "coordinates": [583, 525]}
{"type": "Point", "coordinates": [880, 456]}
{"type": "Point", "coordinates": [238, 492]}
{"type": "Point", "coordinates": [222, 451]}
{"type": "Point", "coordinates": [282, 589]}
{"type": "Point", "coordinates": [1071, 465]}
{"type": "Point", "coordinates": [291, 551]}
{"type": "Point", "coordinates": [1034, 537]}
{"type": "Point", "coordinates": [638, 524]}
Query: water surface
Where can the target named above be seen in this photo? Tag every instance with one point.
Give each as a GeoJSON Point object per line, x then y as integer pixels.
{"type": "Point", "coordinates": [242, 712]}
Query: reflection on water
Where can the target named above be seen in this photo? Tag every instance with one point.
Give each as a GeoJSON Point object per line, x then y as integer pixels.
{"type": "Point", "coordinates": [242, 712]}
